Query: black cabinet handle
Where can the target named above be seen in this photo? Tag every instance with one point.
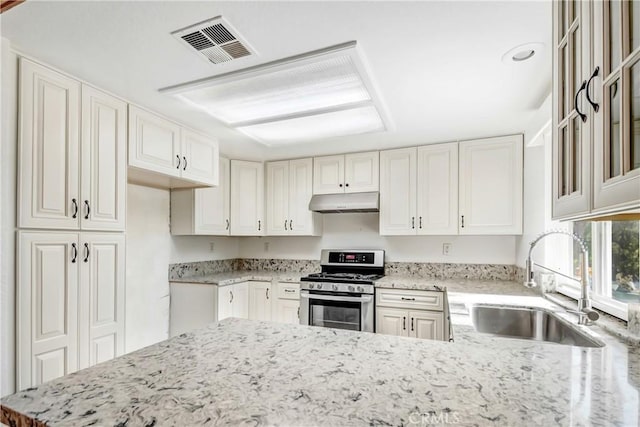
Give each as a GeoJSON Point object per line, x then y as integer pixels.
{"type": "Point", "coordinates": [185, 163]}
{"type": "Point", "coordinates": [259, 225]}
{"type": "Point", "coordinates": [291, 225]}
{"type": "Point", "coordinates": [227, 224]}
{"type": "Point", "coordinates": [231, 300]}
{"type": "Point", "coordinates": [413, 222]}
{"type": "Point", "coordinates": [347, 184]}
{"type": "Point", "coordinates": [298, 312]}
{"type": "Point", "coordinates": [404, 323]}
{"type": "Point", "coordinates": [178, 157]}
{"type": "Point", "coordinates": [86, 249]}
{"type": "Point", "coordinates": [420, 222]}
{"type": "Point", "coordinates": [583, 116]}
{"type": "Point", "coordinates": [74, 251]}
{"type": "Point", "coordinates": [412, 323]}
{"type": "Point", "coordinates": [462, 221]}
{"type": "Point", "coordinates": [407, 299]}
{"type": "Point", "coordinates": [88, 209]}
{"type": "Point", "coordinates": [285, 225]}
{"type": "Point", "coordinates": [595, 105]}
{"type": "Point", "coordinates": [75, 208]}
{"type": "Point", "coordinates": [289, 290]}
{"type": "Point", "coordinates": [340, 185]}
{"type": "Point", "coordinates": [267, 293]}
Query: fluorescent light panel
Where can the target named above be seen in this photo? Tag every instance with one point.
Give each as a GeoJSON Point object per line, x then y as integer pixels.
{"type": "Point", "coordinates": [314, 96]}
{"type": "Point", "coordinates": [319, 126]}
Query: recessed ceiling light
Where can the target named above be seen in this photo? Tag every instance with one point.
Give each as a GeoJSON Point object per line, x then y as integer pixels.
{"type": "Point", "coordinates": [522, 52]}
{"type": "Point", "coordinates": [300, 98]}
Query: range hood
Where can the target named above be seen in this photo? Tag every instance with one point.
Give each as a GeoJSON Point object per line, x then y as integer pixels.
{"type": "Point", "coordinates": [345, 202]}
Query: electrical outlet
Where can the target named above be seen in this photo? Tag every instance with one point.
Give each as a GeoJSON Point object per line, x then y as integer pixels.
{"type": "Point", "coordinates": [446, 249]}
{"type": "Point", "coordinates": [266, 246]}
{"type": "Point", "coordinates": [212, 247]}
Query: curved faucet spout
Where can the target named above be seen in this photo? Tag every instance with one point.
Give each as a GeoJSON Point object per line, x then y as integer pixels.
{"type": "Point", "coordinates": [586, 314]}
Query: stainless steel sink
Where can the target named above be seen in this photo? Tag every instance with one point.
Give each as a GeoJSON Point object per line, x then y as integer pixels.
{"type": "Point", "coordinates": [528, 323]}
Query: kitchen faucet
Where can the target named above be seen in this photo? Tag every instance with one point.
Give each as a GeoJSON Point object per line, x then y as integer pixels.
{"type": "Point", "coordinates": [586, 315]}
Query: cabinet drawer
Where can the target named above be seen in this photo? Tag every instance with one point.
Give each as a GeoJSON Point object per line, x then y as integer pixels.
{"type": "Point", "coordinates": [401, 298]}
{"type": "Point", "coordinates": [288, 290]}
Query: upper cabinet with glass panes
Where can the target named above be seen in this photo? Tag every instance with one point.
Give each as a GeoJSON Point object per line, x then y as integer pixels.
{"type": "Point", "coordinates": [571, 116]}
{"type": "Point", "coordinates": [596, 116]}
{"type": "Point", "coordinates": [616, 142]}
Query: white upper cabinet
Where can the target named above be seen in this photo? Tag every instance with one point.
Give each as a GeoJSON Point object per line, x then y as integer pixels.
{"type": "Point", "coordinates": [350, 173]}
{"type": "Point", "coordinates": [490, 182]}
{"type": "Point", "coordinates": [616, 124]}
{"type": "Point", "coordinates": [361, 172]}
{"type": "Point", "coordinates": [571, 152]}
{"type": "Point", "coordinates": [203, 211]}
{"type": "Point", "coordinates": [398, 189]}
{"type": "Point", "coordinates": [154, 143]}
{"type": "Point", "coordinates": [437, 199]}
{"type": "Point", "coordinates": [289, 190]}
{"type": "Point", "coordinates": [164, 154]}
{"type": "Point", "coordinates": [49, 150]}
{"type": "Point", "coordinates": [199, 158]}
{"type": "Point", "coordinates": [104, 161]}
{"type": "Point", "coordinates": [247, 198]}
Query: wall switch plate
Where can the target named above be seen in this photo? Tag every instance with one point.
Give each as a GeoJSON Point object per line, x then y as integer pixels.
{"type": "Point", "coordinates": [446, 249]}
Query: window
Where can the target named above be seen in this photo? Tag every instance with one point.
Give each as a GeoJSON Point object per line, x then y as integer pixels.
{"type": "Point", "coordinates": [614, 264]}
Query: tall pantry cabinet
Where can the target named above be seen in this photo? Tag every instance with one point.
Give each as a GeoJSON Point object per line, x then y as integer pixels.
{"type": "Point", "coordinates": [71, 215]}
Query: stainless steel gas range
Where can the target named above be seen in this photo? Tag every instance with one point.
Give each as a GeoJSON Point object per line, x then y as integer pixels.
{"type": "Point", "coordinates": [342, 295]}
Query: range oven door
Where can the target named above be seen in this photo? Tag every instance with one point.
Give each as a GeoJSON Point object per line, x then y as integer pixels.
{"type": "Point", "coordinates": [352, 312]}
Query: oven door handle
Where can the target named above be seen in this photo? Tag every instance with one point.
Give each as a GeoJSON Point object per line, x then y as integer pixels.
{"type": "Point", "coordinates": [364, 298]}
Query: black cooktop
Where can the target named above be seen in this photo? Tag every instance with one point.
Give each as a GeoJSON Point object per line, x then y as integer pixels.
{"type": "Point", "coordinates": [342, 277]}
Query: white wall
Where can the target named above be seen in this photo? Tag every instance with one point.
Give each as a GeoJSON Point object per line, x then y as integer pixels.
{"type": "Point", "coordinates": [150, 250]}
{"type": "Point", "coordinates": [8, 160]}
{"type": "Point", "coordinates": [359, 230]}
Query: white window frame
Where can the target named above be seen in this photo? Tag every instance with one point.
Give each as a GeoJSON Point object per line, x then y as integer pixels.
{"type": "Point", "coordinates": [600, 278]}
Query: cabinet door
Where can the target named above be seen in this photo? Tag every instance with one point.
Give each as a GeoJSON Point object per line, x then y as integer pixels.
{"type": "Point", "coordinates": [426, 325]}
{"type": "Point", "coordinates": [277, 198]}
{"type": "Point", "coordinates": [571, 148]}
{"type": "Point", "coordinates": [616, 126]}
{"type": "Point", "coordinates": [154, 143]}
{"type": "Point", "coordinates": [247, 198]}
{"type": "Point", "coordinates": [287, 311]}
{"type": "Point", "coordinates": [48, 177]}
{"type": "Point", "coordinates": [199, 158]}
{"type": "Point", "coordinates": [211, 215]}
{"type": "Point", "coordinates": [102, 275]}
{"type": "Point", "coordinates": [104, 161]}
{"type": "Point", "coordinates": [47, 297]}
{"type": "Point", "coordinates": [398, 192]}
{"type": "Point", "coordinates": [301, 220]}
{"type": "Point", "coordinates": [438, 189]}
{"type": "Point", "coordinates": [240, 300]}
{"type": "Point", "coordinates": [361, 172]}
{"type": "Point", "coordinates": [193, 306]}
{"type": "Point", "coordinates": [328, 175]}
{"type": "Point", "coordinates": [260, 297]}
{"type": "Point", "coordinates": [491, 186]}
{"type": "Point", "coordinates": [225, 302]}
{"type": "Point", "coordinates": [392, 321]}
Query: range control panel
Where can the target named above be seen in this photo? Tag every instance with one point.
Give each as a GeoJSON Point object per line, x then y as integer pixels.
{"type": "Point", "coordinates": [351, 257]}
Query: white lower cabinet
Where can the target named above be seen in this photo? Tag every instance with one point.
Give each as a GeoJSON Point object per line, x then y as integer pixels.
{"type": "Point", "coordinates": [70, 302]}
{"type": "Point", "coordinates": [233, 301]}
{"type": "Point", "coordinates": [412, 313]}
{"type": "Point", "coordinates": [286, 307]}
{"type": "Point", "coordinates": [260, 298]}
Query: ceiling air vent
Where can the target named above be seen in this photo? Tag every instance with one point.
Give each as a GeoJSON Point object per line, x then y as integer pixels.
{"type": "Point", "coordinates": [214, 40]}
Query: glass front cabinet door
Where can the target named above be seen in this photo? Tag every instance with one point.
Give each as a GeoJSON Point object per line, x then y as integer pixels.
{"type": "Point", "coordinates": [572, 116]}
{"type": "Point", "coordinates": [616, 142]}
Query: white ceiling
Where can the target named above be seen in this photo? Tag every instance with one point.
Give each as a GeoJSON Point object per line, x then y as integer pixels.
{"type": "Point", "coordinates": [437, 65]}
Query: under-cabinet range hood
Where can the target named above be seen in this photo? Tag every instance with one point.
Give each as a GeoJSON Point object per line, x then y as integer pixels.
{"type": "Point", "coordinates": [345, 202]}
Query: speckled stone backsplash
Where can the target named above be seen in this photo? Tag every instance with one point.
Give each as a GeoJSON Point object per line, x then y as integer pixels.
{"type": "Point", "coordinates": [452, 271]}
{"type": "Point", "coordinates": [419, 269]}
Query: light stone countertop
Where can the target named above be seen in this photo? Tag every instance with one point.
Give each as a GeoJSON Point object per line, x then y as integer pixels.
{"type": "Point", "coordinates": [239, 372]}
{"type": "Point", "coordinates": [232, 277]}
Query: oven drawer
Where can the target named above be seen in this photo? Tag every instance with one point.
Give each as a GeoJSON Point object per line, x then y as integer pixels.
{"type": "Point", "coordinates": [288, 290]}
{"type": "Point", "coordinates": [401, 298]}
